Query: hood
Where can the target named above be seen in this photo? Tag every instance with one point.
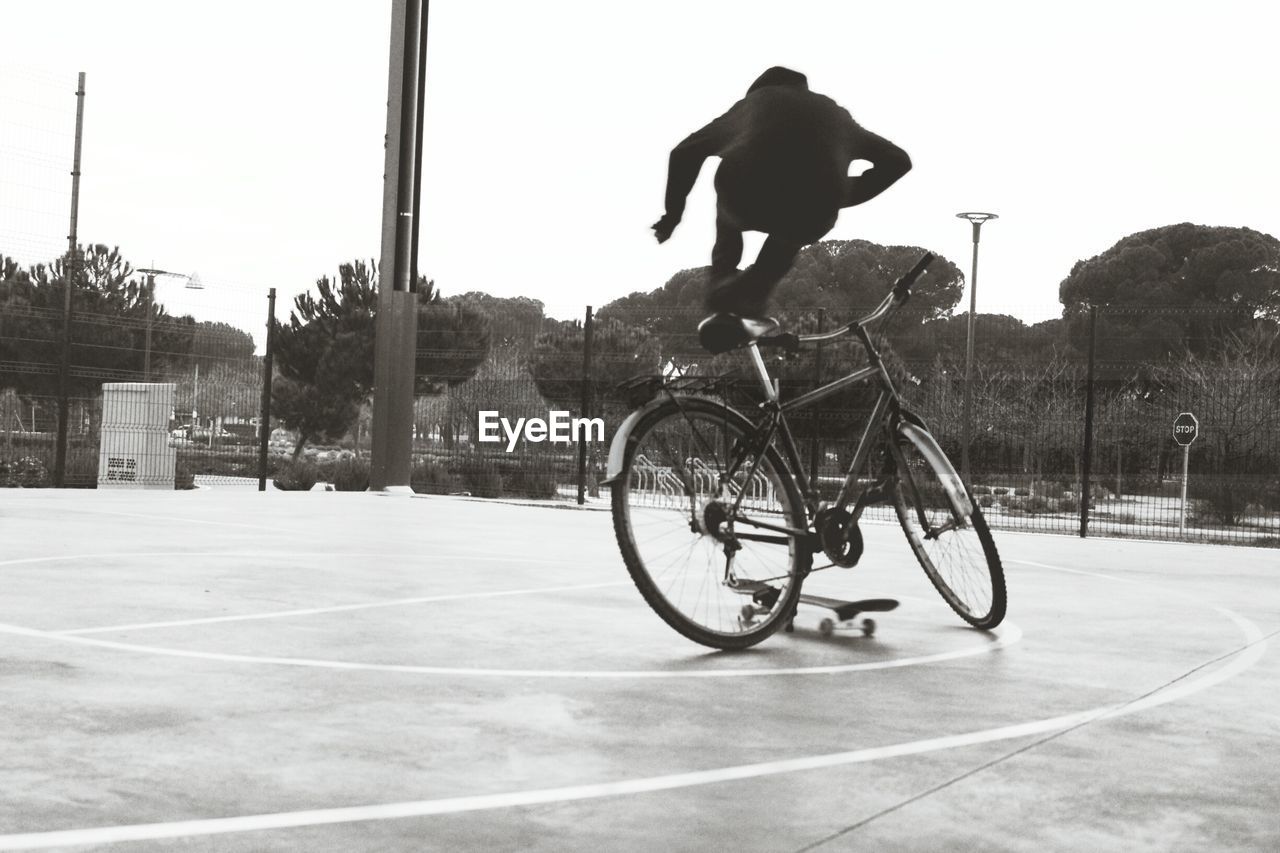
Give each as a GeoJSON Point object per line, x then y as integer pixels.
{"type": "Point", "coordinates": [779, 76]}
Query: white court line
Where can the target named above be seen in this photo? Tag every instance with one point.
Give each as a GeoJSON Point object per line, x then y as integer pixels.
{"type": "Point", "coordinates": [185, 520]}
{"type": "Point", "coordinates": [1006, 635]}
{"type": "Point", "coordinates": [289, 555]}
{"type": "Point", "coordinates": [1256, 646]}
{"type": "Point", "coordinates": [338, 608]}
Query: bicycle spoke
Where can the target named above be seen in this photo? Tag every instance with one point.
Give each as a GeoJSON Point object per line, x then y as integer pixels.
{"type": "Point", "coordinates": [685, 545]}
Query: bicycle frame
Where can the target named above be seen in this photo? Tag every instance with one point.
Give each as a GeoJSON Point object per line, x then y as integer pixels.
{"type": "Point", "coordinates": [775, 422]}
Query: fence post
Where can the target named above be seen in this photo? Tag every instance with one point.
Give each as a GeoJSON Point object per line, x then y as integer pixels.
{"type": "Point", "coordinates": [1086, 464]}
{"type": "Point", "coordinates": [587, 329]}
{"type": "Point", "coordinates": [817, 381]}
{"type": "Point", "coordinates": [264, 427]}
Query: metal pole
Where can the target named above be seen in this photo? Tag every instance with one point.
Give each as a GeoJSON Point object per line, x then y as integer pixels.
{"type": "Point", "coordinates": [1087, 462]}
{"type": "Point", "coordinates": [73, 257]}
{"type": "Point", "coordinates": [264, 431]}
{"type": "Point", "coordinates": [146, 346]}
{"type": "Point", "coordinates": [396, 337]}
{"type": "Point", "coordinates": [195, 400]}
{"type": "Point", "coordinates": [976, 219]}
{"type": "Point", "coordinates": [419, 112]}
{"type": "Point", "coordinates": [588, 329]}
{"type": "Point", "coordinates": [814, 449]}
{"type": "Point", "coordinates": [1182, 515]}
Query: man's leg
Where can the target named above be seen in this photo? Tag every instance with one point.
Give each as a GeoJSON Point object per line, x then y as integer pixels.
{"type": "Point", "coordinates": [748, 294]}
{"type": "Point", "coordinates": [726, 254]}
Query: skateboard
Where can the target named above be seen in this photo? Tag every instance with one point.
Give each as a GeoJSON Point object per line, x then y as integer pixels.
{"type": "Point", "coordinates": [843, 613]}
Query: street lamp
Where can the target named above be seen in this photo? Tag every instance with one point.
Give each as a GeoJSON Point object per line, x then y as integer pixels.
{"type": "Point", "coordinates": [193, 283]}
{"type": "Point", "coordinates": [976, 219]}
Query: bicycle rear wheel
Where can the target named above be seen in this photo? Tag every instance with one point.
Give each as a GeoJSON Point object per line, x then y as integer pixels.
{"type": "Point", "coordinates": [946, 530]}
{"type": "Point", "coordinates": [723, 572]}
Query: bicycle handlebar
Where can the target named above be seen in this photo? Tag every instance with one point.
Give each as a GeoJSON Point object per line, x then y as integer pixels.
{"type": "Point", "coordinates": [902, 289]}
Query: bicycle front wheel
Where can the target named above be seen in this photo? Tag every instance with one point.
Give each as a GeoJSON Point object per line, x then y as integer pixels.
{"type": "Point", "coordinates": [946, 530]}
{"type": "Point", "coordinates": [713, 540]}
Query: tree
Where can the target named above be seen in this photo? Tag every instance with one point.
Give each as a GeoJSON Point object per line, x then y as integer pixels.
{"type": "Point", "coordinates": [513, 322]}
{"type": "Point", "coordinates": [325, 354]}
{"type": "Point", "coordinates": [618, 351]}
{"type": "Point", "coordinates": [1217, 278]}
{"type": "Point", "coordinates": [109, 321]}
{"type": "Point", "coordinates": [453, 341]}
{"type": "Point", "coordinates": [1235, 394]}
{"type": "Point", "coordinates": [849, 277]}
{"type": "Point", "coordinates": [845, 278]}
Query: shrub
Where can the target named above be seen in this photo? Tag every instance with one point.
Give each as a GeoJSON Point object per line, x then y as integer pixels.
{"type": "Point", "coordinates": [1047, 488]}
{"type": "Point", "coordinates": [183, 478]}
{"type": "Point", "coordinates": [986, 501]}
{"type": "Point", "coordinates": [999, 491]}
{"type": "Point", "coordinates": [481, 477]}
{"type": "Point", "coordinates": [1038, 504]}
{"type": "Point", "coordinates": [982, 490]}
{"type": "Point", "coordinates": [432, 478]}
{"type": "Point", "coordinates": [27, 472]}
{"type": "Point", "coordinates": [347, 475]}
{"type": "Point", "coordinates": [1069, 505]}
{"type": "Point", "coordinates": [1022, 493]}
{"type": "Point", "coordinates": [529, 481]}
{"type": "Point", "coordinates": [297, 477]}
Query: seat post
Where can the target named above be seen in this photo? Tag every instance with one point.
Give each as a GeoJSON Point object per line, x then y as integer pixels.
{"type": "Point", "coordinates": [770, 389]}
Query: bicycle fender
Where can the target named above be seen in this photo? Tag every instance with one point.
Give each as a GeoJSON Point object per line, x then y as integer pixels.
{"type": "Point", "coordinates": [622, 438]}
{"type": "Point", "coordinates": [618, 447]}
{"type": "Point", "coordinates": [951, 481]}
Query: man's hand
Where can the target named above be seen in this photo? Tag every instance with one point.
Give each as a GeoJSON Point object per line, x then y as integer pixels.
{"type": "Point", "coordinates": [663, 227]}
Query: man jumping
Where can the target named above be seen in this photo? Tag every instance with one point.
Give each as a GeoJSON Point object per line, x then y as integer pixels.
{"type": "Point", "coordinates": [784, 170]}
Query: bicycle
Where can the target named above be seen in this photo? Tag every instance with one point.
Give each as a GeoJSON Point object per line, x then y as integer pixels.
{"type": "Point", "coordinates": [718, 522]}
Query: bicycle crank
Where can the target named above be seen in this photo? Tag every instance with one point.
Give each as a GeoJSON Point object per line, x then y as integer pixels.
{"type": "Point", "coordinates": [839, 535]}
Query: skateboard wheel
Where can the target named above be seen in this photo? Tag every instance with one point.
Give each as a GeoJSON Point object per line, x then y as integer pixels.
{"type": "Point", "coordinates": [868, 627]}
{"type": "Point", "coordinates": [826, 627]}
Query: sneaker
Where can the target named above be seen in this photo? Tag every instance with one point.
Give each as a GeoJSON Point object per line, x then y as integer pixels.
{"type": "Point", "coordinates": [724, 299]}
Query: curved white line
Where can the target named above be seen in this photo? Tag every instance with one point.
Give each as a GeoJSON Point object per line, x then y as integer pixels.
{"type": "Point", "coordinates": [1256, 647]}
{"type": "Point", "coordinates": [1007, 635]}
{"type": "Point", "coordinates": [337, 608]}
{"type": "Point", "coordinates": [290, 555]}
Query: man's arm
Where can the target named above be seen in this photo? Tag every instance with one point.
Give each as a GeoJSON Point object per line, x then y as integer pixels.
{"type": "Point", "coordinates": [889, 163]}
{"type": "Point", "coordinates": [683, 167]}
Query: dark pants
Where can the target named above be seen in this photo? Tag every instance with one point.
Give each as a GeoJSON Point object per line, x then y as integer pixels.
{"type": "Point", "coordinates": [746, 292]}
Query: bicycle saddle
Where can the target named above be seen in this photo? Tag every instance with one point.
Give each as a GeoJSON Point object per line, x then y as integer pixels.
{"type": "Point", "coordinates": [723, 332]}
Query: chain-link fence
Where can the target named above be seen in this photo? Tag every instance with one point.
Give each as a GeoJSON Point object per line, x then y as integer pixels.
{"type": "Point", "coordinates": [150, 394]}
{"type": "Point", "coordinates": [110, 374]}
{"type": "Point", "coordinates": [1032, 404]}
{"type": "Point", "coordinates": [1033, 398]}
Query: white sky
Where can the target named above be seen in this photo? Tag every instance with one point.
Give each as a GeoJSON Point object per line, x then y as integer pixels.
{"type": "Point", "coordinates": [245, 139]}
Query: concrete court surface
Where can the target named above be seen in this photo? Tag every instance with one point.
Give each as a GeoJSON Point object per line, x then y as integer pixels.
{"type": "Point", "coordinates": [228, 670]}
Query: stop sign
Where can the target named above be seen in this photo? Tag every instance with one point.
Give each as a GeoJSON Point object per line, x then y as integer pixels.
{"type": "Point", "coordinates": [1185, 428]}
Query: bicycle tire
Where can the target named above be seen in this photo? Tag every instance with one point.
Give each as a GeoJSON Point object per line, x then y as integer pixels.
{"type": "Point", "coordinates": [954, 547]}
{"type": "Point", "coordinates": [659, 494]}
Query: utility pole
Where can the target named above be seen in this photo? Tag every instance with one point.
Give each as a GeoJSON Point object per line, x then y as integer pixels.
{"type": "Point", "coordinates": [976, 219]}
{"type": "Point", "coordinates": [70, 269]}
{"type": "Point", "coordinates": [395, 346]}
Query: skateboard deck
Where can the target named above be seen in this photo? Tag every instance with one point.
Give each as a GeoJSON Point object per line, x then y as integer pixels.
{"type": "Point", "coordinates": [843, 613]}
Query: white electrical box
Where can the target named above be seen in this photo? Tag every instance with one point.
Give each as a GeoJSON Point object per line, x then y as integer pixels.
{"type": "Point", "coordinates": [134, 451]}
